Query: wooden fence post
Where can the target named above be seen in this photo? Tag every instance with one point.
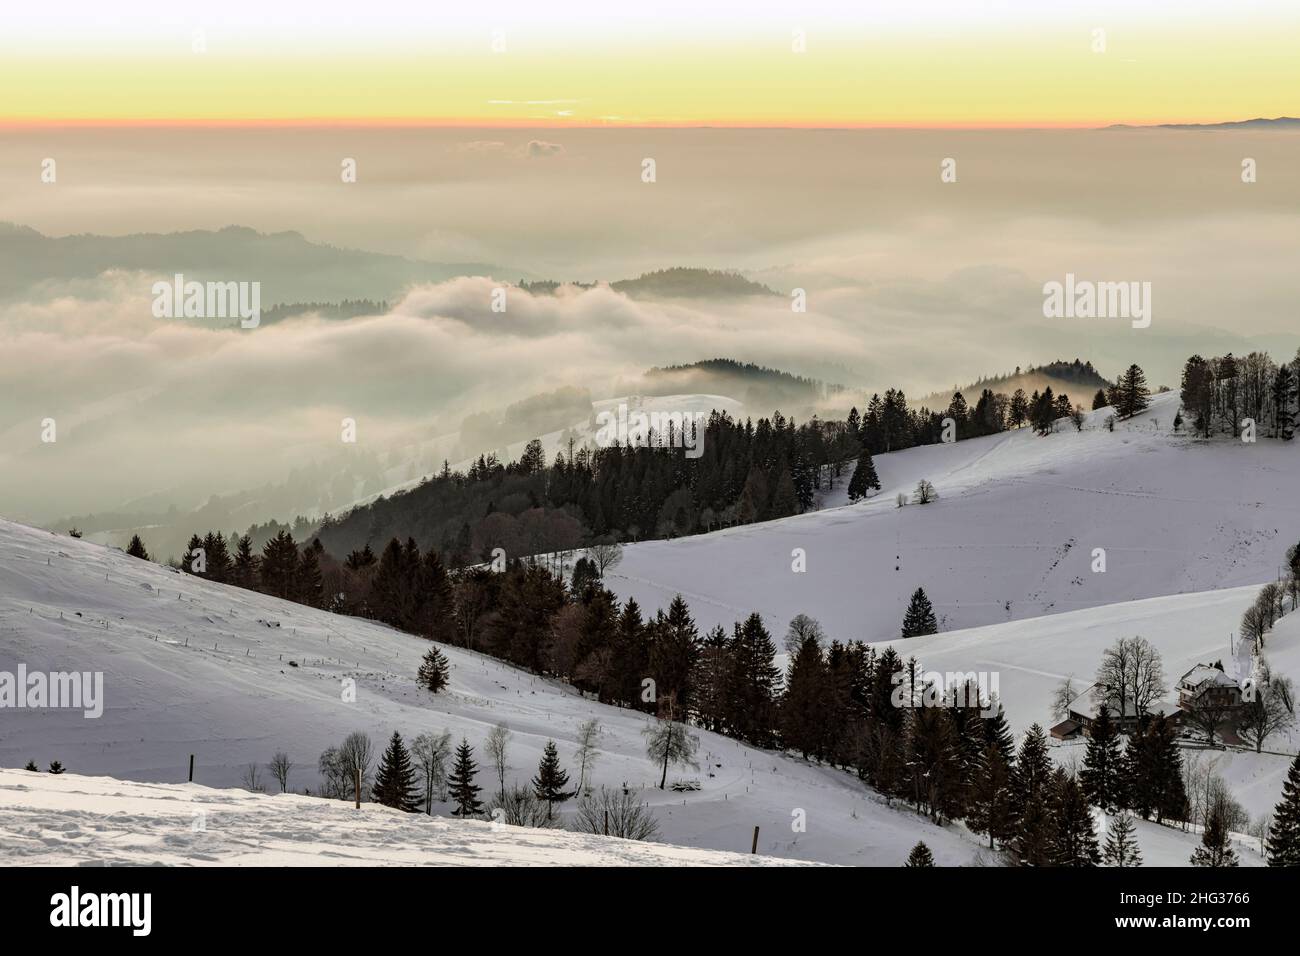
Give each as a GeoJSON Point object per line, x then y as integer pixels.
{"type": "Point", "coordinates": [191, 768]}
{"type": "Point", "coordinates": [753, 847]}
{"type": "Point", "coordinates": [358, 771]}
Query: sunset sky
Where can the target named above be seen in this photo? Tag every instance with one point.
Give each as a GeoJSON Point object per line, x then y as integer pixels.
{"type": "Point", "coordinates": [936, 64]}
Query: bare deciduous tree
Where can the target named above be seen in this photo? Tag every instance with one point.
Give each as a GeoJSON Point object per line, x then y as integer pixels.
{"type": "Point", "coordinates": [801, 628]}
{"type": "Point", "coordinates": [1062, 697]}
{"type": "Point", "coordinates": [520, 807]}
{"type": "Point", "coordinates": [1131, 677]}
{"type": "Point", "coordinates": [1208, 712]}
{"type": "Point", "coordinates": [668, 742]}
{"type": "Point", "coordinates": [430, 753]}
{"type": "Point", "coordinates": [606, 555]}
{"type": "Point", "coordinates": [1268, 706]}
{"type": "Point", "coordinates": [280, 766]}
{"type": "Point", "coordinates": [497, 741]}
{"type": "Point", "coordinates": [356, 754]}
{"type": "Point", "coordinates": [252, 779]}
{"type": "Point", "coordinates": [588, 747]}
{"type": "Point", "coordinates": [620, 810]}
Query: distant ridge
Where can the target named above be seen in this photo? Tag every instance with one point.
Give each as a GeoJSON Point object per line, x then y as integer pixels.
{"type": "Point", "coordinates": [1078, 378]}
{"type": "Point", "coordinates": [1279, 122]}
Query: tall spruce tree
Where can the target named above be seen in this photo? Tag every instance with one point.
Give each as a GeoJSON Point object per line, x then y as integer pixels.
{"type": "Point", "coordinates": [864, 477]}
{"type": "Point", "coordinates": [1155, 772]}
{"type": "Point", "coordinates": [1134, 396]}
{"type": "Point", "coordinates": [1074, 840]}
{"type": "Point", "coordinates": [997, 733]}
{"type": "Point", "coordinates": [989, 809]}
{"type": "Point", "coordinates": [434, 670]}
{"type": "Point", "coordinates": [1216, 848]}
{"type": "Point", "coordinates": [803, 707]}
{"type": "Point", "coordinates": [920, 856]}
{"type": "Point", "coordinates": [919, 618]}
{"type": "Point", "coordinates": [136, 548]}
{"type": "Point", "coordinates": [460, 785]}
{"type": "Point", "coordinates": [1284, 838]}
{"type": "Point", "coordinates": [395, 780]}
{"type": "Point", "coordinates": [1031, 800]}
{"type": "Point", "coordinates": [1121, 844]}
{"type": "Point", "coordinates": [1100, 777]}
{"type": "Point", "coordinates": [551, 779]}
{"type": "Point", "coordinates": [753, 682]}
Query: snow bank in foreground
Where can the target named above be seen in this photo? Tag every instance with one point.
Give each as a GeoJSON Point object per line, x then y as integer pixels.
{"type": "Point", "coordinates": [73, 820]}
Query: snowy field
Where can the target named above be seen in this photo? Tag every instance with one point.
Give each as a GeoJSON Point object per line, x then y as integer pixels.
{"type": "Point", "coordinates": [1011, 538]}
{"type": "Point", "coordinates": [190, 667]}
{"type": "Point", "coordinates": [69, 820]}
{"type": "Point", "coordinates": [1190, 532]}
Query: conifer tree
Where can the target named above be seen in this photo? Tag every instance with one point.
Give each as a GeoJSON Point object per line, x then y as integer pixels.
{"type": "Point", "coordinates": [990, 797]}
{"type": "Point", "coordinates": [309, 575]}
{"type": "Point", "coordinates": [551, 779]}
{"type": "Point", "coordinates": [864, 477]}
{"type": "Point", "coordinates": [1121, 844]}
{"type": "Point", "coordinates": [193, 551]}
{"type": "Point", "coordinates": [245, 567]}
{"type": "Point", "coordinates": [752, 683]}
{"type": "Point", "coordinates": [919, 618]}
{"type": "Point", "coordinates": [434, 670]}
{"type": "Point", "coordinates": [1284, 838]}
{"type": "Point", "coordinates": [460, 785]}
{"type": "Point", "coordinates": [803, 707]}
{"type": "Point", "coordinates": [1031, 799]}
{"type": "Point", "coordinates": [997, 733]}
{"type": "Point", "coordinates": [1074, 840]}
{"type": "Point", "coordinates": [1215, 849]}
{"type": "Point", "coordinates": [1100, 777]}
{"type": "Point", "coordinates": [1155, 773]}
{"type": "Point", "coordinates": [1134, 396]}
{"type": "Point", "coordinates": [394, 784]}
{"type": "Point", "coordinates": [136, 548]}
{"type": "Point", "coordinates": [920, 856]}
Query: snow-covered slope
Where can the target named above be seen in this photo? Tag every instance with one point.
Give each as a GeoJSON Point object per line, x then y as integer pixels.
{"type": "Point", "coordinates": [1031, 658]}
{"type": "Point", "coordinates": [191, 667]}
{"type": "Point", "coordinates": [70, 820]}
{"type": "Point", "coordinates": [410, 463]}
{"type": "Point", "coordinates": [1012, 536]}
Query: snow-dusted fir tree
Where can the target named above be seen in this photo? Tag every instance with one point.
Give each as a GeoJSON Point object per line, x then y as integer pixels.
{"type": "Point", "coordinates": [1074, 840]}
{"type": "Point", "coordinates": [919, 618]}
{"type": "Point", "coordinates": [461, 783]}
{"type": "Point", "coordinates": [1284, 837]}
{"type": "Point", "coordinates": [1121, 843]}
{"type": "Point", "coordinates": [395, 780]}
{"type": "Point", "coordinates": [1101, 775]}
{"type": "Point", "coordinates": [434, 670]}
{"type": "Point", "coordinates": [920, 856]}
{"type": "Point", "coordinates": [551, 779]}
{"type": "Point", "coordinates": [864, 477]}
